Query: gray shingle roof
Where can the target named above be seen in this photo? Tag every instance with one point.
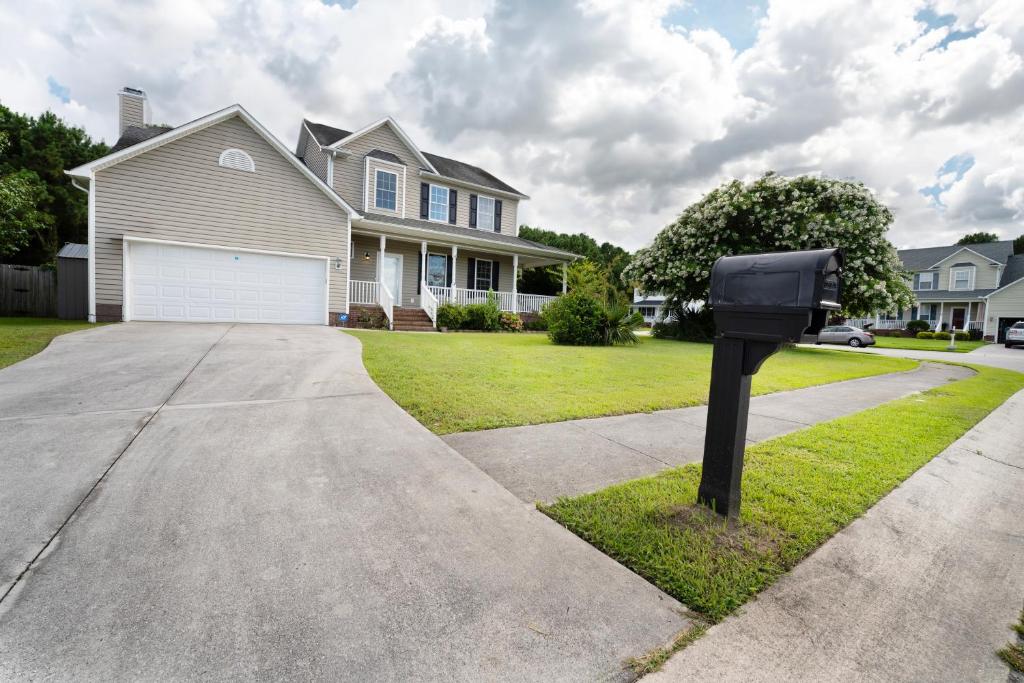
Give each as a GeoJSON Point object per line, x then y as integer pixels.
{"type": "Point", "coordinates": [133, 135]}
{"type": "Point", "coordinates": [72, 250]}
{"type": "Point", "coordinates": [496, 237]}
{"type": "Point", "coordinates": [1014, 270]}
{"type": "Point", "coordinates": [326, 135]}
{"type": "Point", "coordinates": [951, 295]}
{"type": "Point", "coordinates": [923, 259]}
{"type": "Point", "coordinates": [449, 168]}
{"type": "Point", "coordinates": [386, 156]}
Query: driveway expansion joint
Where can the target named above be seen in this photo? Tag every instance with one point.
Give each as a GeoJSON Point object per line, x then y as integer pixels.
{"type": "Point", "coordinates": [149, 419]}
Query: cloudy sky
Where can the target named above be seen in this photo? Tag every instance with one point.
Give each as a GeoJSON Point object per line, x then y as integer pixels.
{"type": "Point", "coordinates": [612, 115]}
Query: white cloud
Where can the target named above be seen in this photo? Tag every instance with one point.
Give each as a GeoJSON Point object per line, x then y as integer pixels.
{"type": "Point", "coordinates": [610, 119]}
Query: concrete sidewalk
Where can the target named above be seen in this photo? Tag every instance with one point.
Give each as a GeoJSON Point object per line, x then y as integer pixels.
{"type": "Point", "coordinates": [994, 355]}
{"type": "Point", "coordinates": [543, 462]}
{"type": "Point", "coordinates": [923, 587]}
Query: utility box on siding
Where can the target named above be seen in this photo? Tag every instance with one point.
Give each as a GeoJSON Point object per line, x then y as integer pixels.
{"type": "Point", "coordinates": [73, 282]}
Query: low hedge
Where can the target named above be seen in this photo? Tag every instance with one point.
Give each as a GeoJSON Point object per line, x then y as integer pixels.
{"type": "Point", "coordinates": [926, 335]}
{"type": "Point", "coordinates": [941, 335]}
{"type": "Point", "coordinates": [482, 317]}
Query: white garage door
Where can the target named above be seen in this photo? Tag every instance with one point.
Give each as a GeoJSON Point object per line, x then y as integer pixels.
{"type": "Point", "coordinates": [196, 284]}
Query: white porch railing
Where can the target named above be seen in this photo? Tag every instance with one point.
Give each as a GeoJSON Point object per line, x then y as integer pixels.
{"type": "Point", "coordinates": [387, 303]}
{"type": "Point", "coordinates": [428, 302]}
{"type": "Point", "coordinates": [532, 303]}
{"type": "Point", "coordinates": [523, 303]}
{"type": "Point", "coordinates": [362, 292]}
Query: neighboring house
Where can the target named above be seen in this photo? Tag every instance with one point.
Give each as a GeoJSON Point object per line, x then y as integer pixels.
{"type": "Point", "coordinates": [963, 287]}
{"type": "Point", "coordinates": [651, 306]}
{"type": "Point", "coordinates": [216, 220]}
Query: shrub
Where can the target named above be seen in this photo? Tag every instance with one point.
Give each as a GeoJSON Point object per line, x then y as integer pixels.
{"type": "Point", "coordinates": [620, 324]}
{"type": "Point", "coordinates": [510, 322]}
{"type": "Point", "coordinates": [485, 316]}
{"type": "Point", "coordinates": [926, 335]}
{"type": "Point", "coordinates": [941, 335]}
{"type": "Point", "coordinates": [538, 324]}
{"type": "Point", "coordinates": [451, 316]}
{"type": "Point", "coordinates": [916, 326]}
{"type": "Point", "coordinates": [975, 334]}
{"type": "Point", "coordinates": [963, 336]}
{"type": "Point", "coordinates": [575, 319]}
{"type": "Point", "coordinates": [686, 322]}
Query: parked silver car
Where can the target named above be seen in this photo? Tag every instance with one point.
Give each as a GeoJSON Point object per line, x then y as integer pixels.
{"type": "Point", "coordinates": [845, 334]}
{"type": "Point", "coordinates": [1015, 335]}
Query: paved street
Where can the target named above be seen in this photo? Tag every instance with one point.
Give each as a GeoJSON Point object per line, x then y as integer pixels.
{"type": "Point", "coordinates": [995, 355]}
{"type": "Point", "coordinates": [240, 502]}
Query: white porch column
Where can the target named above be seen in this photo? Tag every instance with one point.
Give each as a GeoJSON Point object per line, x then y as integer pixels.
{"type": "Point", "coordinates": [455, 264]}
{"type": "Point", "coordinates": [565, 271]}
{"type": "Point", "coordinates": [423, 270]}
{"type": "Point", "coordinates": [515, 277]}
{"type": "Point", "coordinates": [380, 260]}
{"type": "Point", "coordinates": [938, 326]}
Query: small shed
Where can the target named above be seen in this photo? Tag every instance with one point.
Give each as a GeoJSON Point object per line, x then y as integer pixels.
{"type": "Point", "coordinates": [73, 282]}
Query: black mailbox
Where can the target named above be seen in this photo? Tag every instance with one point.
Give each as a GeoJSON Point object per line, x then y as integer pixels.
{"type": "Point", "coordinates": [760, 301]}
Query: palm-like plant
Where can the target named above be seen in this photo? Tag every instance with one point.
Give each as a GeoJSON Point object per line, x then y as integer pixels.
{"type": "Point", "coordinates": [620, 324]}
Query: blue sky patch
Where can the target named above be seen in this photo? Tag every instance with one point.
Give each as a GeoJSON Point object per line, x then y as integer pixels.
{"type": "Point", "coordinates": [61, 92]}
{"type": "Point", "coordinates": [344, 4]}
{"type": "Point", "coordinates": [949, 174]}
{"type": "Point", "coordinates": [935, 21]}
{"type": "Point", "coordinates": [737, 20]}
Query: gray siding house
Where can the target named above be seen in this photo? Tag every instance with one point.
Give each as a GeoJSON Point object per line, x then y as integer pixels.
{"type": "Point", "coordinates": [963, 287]}
{"type": "Point", "coordinates": [216, 220]}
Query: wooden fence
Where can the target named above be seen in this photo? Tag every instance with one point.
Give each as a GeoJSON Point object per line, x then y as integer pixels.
{"type": "Point", "coordinates": [27, 290]}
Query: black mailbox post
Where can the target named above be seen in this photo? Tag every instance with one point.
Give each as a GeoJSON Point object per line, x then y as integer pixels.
{"type": "Point", "coordinates": [760, 301]}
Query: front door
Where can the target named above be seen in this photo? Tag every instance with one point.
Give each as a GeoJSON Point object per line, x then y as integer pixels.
{"type": "Point", "coordinates": [959, 318]}
{"type": "Point", "coordinates": [391, 275]}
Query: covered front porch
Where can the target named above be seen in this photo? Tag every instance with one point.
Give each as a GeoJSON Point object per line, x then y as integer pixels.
{"type": "Point", "coordinates": [398, 272]}
{"type": "Point", "coordinates": [954, 315]}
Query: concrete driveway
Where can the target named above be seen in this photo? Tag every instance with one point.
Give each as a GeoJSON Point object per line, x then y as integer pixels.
{"type": "Point", "coordinates": [243, 502]}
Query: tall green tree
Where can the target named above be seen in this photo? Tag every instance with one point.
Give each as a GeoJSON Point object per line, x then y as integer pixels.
{"type": "Point", "coordinates": [608, 259]}
{"type": "Point", "coordinates": [979, 238]}
{"type": "Point", "coordinates": [775, 213]}
{"type": "Point", "coordinates": [32, 163]}
{"type": "Point", "coordinates": [1018, 245]}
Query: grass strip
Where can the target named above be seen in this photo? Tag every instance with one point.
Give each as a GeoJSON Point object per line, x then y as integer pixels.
{"type": "Point", "coordinates": [798, 491]}
{"type": "Point", "coordinates": [465, 381]}
{"type": "Point", "coordinates": [1013, 653]}
{"type": "Point", "coordinates": [655, 659]}
{"type": "Point", "coordinates": [21, 338]}
{"type": "Point", "coordinates": [915, 344]}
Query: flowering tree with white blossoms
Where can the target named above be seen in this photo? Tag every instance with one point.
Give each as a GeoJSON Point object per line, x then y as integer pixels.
{"type": "Point", "coordinates": [775, 213]}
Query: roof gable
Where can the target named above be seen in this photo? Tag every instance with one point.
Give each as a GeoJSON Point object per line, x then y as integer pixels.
{"type": "Point", "coordinates": [390, 122]}
{"type": "Point", "coordinates": [171, 134]}
{"type": "Point", "coordinates": [930, 257]}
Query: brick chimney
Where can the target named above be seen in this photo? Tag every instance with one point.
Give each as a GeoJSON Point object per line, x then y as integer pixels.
{"type": "Point", "coordinates": [132, 108]}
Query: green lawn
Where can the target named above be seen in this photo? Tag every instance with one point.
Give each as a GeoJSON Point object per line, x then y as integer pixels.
{"type": "Point", "coordinates": [798, 491]}
{"type": "Point", "coordinates": [24, 337]}
{"type": "Point", "coordinates": [925, 344]}
{"type": "Point", "coordinates": [464, 381]}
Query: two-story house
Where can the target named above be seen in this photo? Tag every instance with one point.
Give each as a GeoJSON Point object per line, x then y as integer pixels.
{"type": "Point", "coordinates": [962, 287]}
{"type": "Point", "coordinates": [216, 220]}
{"type": "Point", "coordinates": [651, 305]}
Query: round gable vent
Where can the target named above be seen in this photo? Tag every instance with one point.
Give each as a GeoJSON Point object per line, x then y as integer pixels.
{"type": "Point", "coordinates": [237, 159]}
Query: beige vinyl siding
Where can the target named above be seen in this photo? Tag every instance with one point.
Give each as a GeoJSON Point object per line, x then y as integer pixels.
{"type": "Point", "coordinates": [985, 274]}
{"type": "Point", "coordinates": [361, 269]}
{"type": "Point", "coordinates": [504, 270]}
{"type": "Point", "coordinates": [401, 196]}
{"type": "Point", "coordinates": [350, 184]}
{"type": "Point", "coordinates": [178, 192]}
{"type": "Point", "coordinates": [315, 158]}
{"type": "Point", "coordinates": [132, 111]}
{"type": "Point", "coordinates": [1008, 303]}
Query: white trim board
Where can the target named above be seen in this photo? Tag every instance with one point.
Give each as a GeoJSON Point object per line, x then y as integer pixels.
{"type": "Point", "coordinates": [961, 249]}
{"type": "Point", "coordinates": [397, 130]}
{"type": "Point", "coordinates": [88, 170]}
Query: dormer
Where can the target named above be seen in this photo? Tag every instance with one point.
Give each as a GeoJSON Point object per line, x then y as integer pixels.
{"type": "Point", "coordinates": [962, 276]}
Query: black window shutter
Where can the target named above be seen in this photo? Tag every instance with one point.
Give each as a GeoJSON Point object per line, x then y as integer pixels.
{"type": "Point", "coordinates": [424, 200]}
{"type": "Point", "coordinates": [453, 202]}
{"type": "Point", "coordinates": [471, 274]}
{"type": "Point", "coordinates": [472, 210]}
{"type": "Point", "coordinates": [419, 273]}
{"type": "Point", "coordinates": [495, 281]}
{"type": "Point", "coordinates": [497, 215]}
{"type": "Point", "coordinates": [450, 264]}
{"type": "Point", "coordinates": [917, 280]}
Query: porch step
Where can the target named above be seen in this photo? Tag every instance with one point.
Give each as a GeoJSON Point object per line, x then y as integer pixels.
{"type": "Point", "coordinates": [412, 320]}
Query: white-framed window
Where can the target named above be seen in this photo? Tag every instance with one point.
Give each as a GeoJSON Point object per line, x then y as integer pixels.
{"type": "Point", "coordinates": [482, 277]}
{"type": "Point", "coordinates": [928, 312]}
{"type": "Point", "coordinates": [925, 281]}
{"type": "Point", "coordinates": [237, 159]}
{"type": "Point", "coordinates": [485, 213]}
{"type": "Point", "coordinates": [437, 270]}
{"type": "Point", "coordinates": [438, 203]}
{"type": "Point", "coordinates": [386, 190]}
{"type": "Point", "coordinates": [961, 278]}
